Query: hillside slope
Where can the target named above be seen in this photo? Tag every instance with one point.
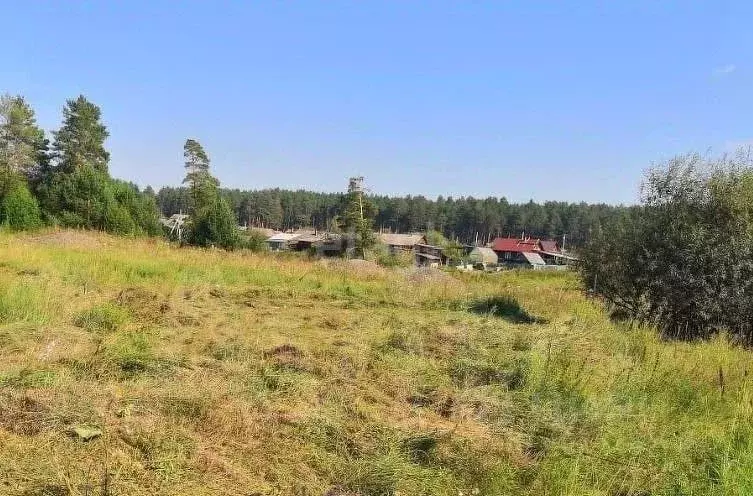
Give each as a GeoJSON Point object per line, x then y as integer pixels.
{"type": "Point", "coordinates": [202, 372]}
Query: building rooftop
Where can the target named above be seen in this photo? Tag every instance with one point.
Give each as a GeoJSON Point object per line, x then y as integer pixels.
{"type": "Point", "coordinates": [401, 239]}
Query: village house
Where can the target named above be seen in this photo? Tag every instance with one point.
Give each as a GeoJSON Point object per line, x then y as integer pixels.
{"type": "Point", "coordinates": [530, 252]}
{"type": "Point", "coordinates": [401, 242]}
{"type": "Point", "coordinates": [521, 252]}
{"type": "Point", "coordinates": [428, 255]}
{"type": "Point", "coordinates": [511, 250]}
{"type": "Point", "coordinates": [306, 241]}
{"type": "Point", "coordinates": [279, 241]}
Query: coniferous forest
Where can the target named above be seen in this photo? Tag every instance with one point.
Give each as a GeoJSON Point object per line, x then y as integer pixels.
{"type": "Point", "coordinates": [466, 219]}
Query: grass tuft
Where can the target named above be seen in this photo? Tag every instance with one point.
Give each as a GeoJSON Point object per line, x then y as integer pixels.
{"type": "Point", "coordinates": [102, 318]}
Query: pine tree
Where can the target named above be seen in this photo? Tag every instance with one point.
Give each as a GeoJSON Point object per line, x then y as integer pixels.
{"type": "Point", "coordinates": [80, 142]}
{"type": "Point", "coordinates": [202, 185]}
{"type": "Point", "coordinates": [358, 216]}
{"type": "Point", "coordinates": [212, 221]}
{"type": "Point", "coordinates": [23, 147]}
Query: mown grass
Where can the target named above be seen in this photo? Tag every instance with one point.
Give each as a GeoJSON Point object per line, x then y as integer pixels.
{"type": "Point", "coordinates": [216, 373]}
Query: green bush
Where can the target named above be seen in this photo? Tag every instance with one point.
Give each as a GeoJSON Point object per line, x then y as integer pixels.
{"type": "Point", "coordinates": [215, 226]}
{"type": "Point", "coordinates": [90, 198]}
{"type": "Point", "coordinates": [683, 260]}
{"type": "Point", "coordinates": [254, 241]}
{"type": "Point", "coordinates": [19, 210]}
{"type": "Point", "coordinates": [385, 258]}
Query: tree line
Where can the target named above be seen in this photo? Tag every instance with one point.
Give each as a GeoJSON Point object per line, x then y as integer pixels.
{"type": "Point", "coordinates": [466, 219]}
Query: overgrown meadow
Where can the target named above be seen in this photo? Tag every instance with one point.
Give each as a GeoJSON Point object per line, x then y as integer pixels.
{"type": "Point", "coordinates": [131, 367]}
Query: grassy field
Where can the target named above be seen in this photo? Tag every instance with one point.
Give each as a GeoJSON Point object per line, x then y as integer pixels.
{"type": "Point", "coordinates": [213, 373]}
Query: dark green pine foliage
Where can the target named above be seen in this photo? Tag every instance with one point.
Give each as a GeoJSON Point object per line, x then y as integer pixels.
{"type": "Point", "coordinates": [78, 190]}
{"type": "Point", "coordinates": [201, 184]}
{"type": "Point", "coordinates": [214, 225]}
{"type": "Point", "coordinates": [212, 221]}
{"type": "Point", "coordinates": [357, 217]}
{"type": "Point", "coordinates": [80, 142]}
{"type": "Point", "coordinates": [465, 219]}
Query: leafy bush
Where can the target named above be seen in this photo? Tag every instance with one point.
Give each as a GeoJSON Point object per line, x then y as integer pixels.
{"type": "Point", "coordinates": [385, 258]}
{"type": "Point", "coordinates": [19, 210]}
{"type": "Point", "coordinates": [254, 241]}
{"type": "Point", "coordinates": [215, 226]}
{"type": "Point", "coordinates": [683, 260]}
{"type": "Point", "coordinates": [87, 197]}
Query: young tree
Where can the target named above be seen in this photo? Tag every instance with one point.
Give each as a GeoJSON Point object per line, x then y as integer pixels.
{"type": "Point", "coordinates": [213, 223]}
{"type": "Point", "coordinates": [358, 215]}
{"type": "Point", "coordinates": [23, 147]}
{"type": "Point", "coordinates": [79, 191]}
{"type": "Point", "coordinates": [201, 184]}
{"type": "Point", "coordinates": [80, 141]}
{"type": "Point", "coordinates": [683, 261]}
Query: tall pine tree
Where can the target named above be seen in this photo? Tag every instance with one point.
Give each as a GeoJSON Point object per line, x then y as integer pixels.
{"type": "Point", "coordinates": [23, 147]}
{"type": "Point", "coordinates": [80, 142]}
{"type": "Point", "coordinates": [201, 184]}
{"type": "Point", "coordinates": [212, 221]}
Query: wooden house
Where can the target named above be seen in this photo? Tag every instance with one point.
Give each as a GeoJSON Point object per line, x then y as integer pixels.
{"type": "Point", "coordinates": [428, 255]}
{"type": "Point", "coordinates": [401, 242]}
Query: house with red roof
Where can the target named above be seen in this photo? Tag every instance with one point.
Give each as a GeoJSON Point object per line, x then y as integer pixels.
{"type": "Point", "coordinates": [523, 251]}
{"type": "Point", "coordinates": [532, 252]}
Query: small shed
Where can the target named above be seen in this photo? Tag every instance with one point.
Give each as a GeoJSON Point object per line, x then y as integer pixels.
{"type": "Point", "coordinates": [279, 241]}
{"type": "Point", "coordinates": [534, 260]}
{"type": "Point", "coordinates": [428, 255]}
{"type": "Point", "coordinates": [305, 241]}
{"type": "Point", "coordinates": [483, 255]}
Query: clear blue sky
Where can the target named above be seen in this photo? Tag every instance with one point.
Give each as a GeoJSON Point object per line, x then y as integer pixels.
{"type": "Point", "coordinates": [517, 99]}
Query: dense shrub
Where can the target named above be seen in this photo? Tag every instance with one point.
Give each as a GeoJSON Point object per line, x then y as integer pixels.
{"type": "Point", "coordinates": [254, 241]}
{"type": "Point", "coordinates": [215, 225]}
{"type": "Point", "coordinates": [87, 197]}
{"type": "Point", "coordinates": [683, 260]}
{"type": "Point", "coordinates": [19, 209]}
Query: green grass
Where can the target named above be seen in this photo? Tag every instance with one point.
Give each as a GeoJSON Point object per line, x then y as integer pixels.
{"type": "Point", "coordinates": [236, 373]}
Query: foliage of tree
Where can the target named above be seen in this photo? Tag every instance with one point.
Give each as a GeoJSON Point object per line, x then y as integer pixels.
{"type": "Point", "coordinates": [683, 260]}
{"type": "Point", "coordinates": [23, 147]}
{"type": "Point", "coordinates": [463, 219]}
{"type": "Point", "coordinates": [254, 241]}
{"type": "Point", "coordinates": [78, 191]}
{"type": "Point", "coordinates": [214, 225]}
{"type": "Point", "coordinates": [19, 209]}
{"type": "Point", "coordinates": [212, 221]}
{"type": "Point", "coordinates": [201, 184]}
{"type": "Point", "coordinates": [80, 142]}
{"type": "Point", "coordinates": [357, 216]}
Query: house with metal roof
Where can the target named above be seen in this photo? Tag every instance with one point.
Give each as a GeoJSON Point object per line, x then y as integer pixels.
{"type": "Point", "coordinates": [530, 252]}
{"type": "Point", "coordinates": [510, 250]}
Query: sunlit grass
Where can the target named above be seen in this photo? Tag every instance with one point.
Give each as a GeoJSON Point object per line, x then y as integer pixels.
{"type": "Point", "coordinates": [238, 373]}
